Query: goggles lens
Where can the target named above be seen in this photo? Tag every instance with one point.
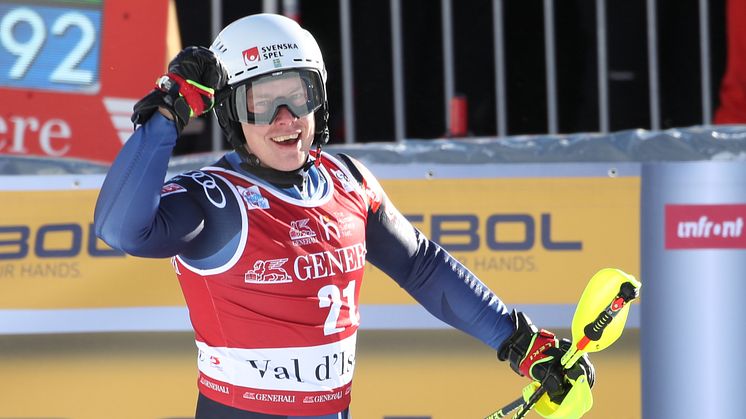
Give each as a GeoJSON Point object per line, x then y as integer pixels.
{"type": "Point", "coordinates": [259, 100]}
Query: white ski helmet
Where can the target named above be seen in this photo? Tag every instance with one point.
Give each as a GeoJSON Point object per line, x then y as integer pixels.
{"type": "Point", "coordinates": [264, 46]}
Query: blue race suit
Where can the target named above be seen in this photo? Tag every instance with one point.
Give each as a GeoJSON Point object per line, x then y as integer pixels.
{"type": "Point", "coordinates": [271, 273]}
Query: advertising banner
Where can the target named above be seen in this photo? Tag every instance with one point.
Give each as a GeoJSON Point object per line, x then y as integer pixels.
{"type": "Point", "coordinates": [50, 258]}
{"type": "Point", "coordinates": [71, 70]}
{"type": "Point", "coordinates": [534, 241]}
{"type": "Point", "coordinates": [399, 374]}
{"type": "Point", "coordinates": [693, 250]}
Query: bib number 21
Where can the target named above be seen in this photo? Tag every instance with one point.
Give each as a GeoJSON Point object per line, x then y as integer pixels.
{"type": "Point", "coordinates": [330, 297]}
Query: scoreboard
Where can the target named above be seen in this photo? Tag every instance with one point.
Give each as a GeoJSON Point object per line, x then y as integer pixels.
{"type": "Point", "coordinates": [71, 70]}
{"type": "Point", "coordinates": [51, 48]}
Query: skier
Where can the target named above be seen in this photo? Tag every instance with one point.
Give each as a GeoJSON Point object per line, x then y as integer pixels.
{"type": "Point", "coordinates": [269, 243]}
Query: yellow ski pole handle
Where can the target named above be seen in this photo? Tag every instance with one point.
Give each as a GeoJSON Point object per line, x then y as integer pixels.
{"type": "Point", "coordinates": [604, 283]}
{"type": "Point", "coordinates": [593, 332]}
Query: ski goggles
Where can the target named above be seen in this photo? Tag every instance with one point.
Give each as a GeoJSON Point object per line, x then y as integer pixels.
{"type": "Point", "coordinates": [258, 100]}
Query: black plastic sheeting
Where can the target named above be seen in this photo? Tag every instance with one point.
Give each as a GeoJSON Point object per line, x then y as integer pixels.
{"type": "Point", "coordinates": [717, 142]}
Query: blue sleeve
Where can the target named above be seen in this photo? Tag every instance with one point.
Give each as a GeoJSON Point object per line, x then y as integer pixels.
{"type": "Point", "coordinates": [130, 214]}
{"type": "Point", "coordinates": [440, 283]}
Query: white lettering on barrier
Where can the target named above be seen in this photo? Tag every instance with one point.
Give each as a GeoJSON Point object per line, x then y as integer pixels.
{"type": "Point", "coordinates": [22, 128]}
{"type": "Point", "coordinates": [705, 227]}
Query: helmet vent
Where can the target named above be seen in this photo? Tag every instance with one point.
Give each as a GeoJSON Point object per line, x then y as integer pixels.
{"type": "Point", "coordinates": [219, 45]}
{"type": "Point", "coordinates": [244, 71]}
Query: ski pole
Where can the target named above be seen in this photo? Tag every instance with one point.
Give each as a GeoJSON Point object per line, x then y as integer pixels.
{"type": "Point", "coordinates": [525, 408]}
{"type": "Point", "coordinates": [505, 410]}
{"type": "Point", "coordinates": [590, 332]}
{"type": "Point", "coordinates": [587, 327]}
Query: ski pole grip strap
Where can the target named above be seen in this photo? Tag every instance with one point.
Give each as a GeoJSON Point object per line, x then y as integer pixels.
{"type": "Point", "coordinates": [515, 347]}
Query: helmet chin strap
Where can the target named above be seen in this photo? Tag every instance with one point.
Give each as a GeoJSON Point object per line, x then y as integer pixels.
{"type": "Point", "coordinates": [317, 161]}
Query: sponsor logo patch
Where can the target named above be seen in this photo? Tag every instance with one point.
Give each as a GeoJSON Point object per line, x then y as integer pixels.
{"type": "Point", "coordinates": [301, 234]}
{"type": "Point", "coordinates": [268, 272]}
{"type": "Point", "coordinates": [253, 197]}
{"type": "Point", "coordinates": [330, 227]}
{"type": "Point", "coordinates": [171, 188]}
{"type": "Point", "coordinates": [344, 180]}
{"type": "Point", "coordinates": [213, 193]}
{"type": "Point", "coordinates": [269, 397]}
{"type": "Point", "coordinates": [251, 56]}
{"type": "Point", "coordinates": [705, 226]}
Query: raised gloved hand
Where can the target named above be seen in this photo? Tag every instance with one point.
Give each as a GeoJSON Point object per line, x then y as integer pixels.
{"type": "Point", "coordinates": [536, 354]}
{"type": "Point", "coordinates": [187, 90]}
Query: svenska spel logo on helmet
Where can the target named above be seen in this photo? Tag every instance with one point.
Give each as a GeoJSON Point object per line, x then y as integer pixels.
{"type": "Point", "coordinates": [251, 55]}
{"type": "Point", "coordinates": [266, 52]}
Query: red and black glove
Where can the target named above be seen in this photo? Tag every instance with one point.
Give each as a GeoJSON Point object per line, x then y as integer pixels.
{"type": "Point", "coordinates": [187, 90]}
{"type": "Point", "coordinates": [537, 355]}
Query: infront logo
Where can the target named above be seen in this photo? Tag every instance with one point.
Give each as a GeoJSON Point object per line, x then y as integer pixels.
{"type": "Point", "coordinates": [705, 226]}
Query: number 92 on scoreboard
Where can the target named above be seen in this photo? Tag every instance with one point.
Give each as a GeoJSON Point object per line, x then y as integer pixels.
{"type": "Point", "coordinates": [51, 45]}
